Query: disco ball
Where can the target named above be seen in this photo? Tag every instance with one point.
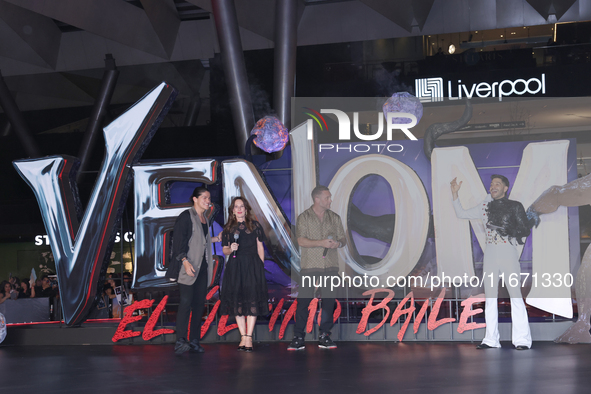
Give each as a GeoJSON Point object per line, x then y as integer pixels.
{"type": "Point", "coordinates": [403, 102]}
{"type": "Point", "coordinates": [271, 134]}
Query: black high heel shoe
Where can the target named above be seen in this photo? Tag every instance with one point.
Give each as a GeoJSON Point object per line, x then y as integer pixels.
{"type": "Point", "coordinates": [248, 348]}
{"type": "Point", "coordinates": [242, 348]}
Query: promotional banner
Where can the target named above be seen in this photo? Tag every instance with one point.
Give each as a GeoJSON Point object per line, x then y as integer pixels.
{"type": "Point", "coordinates": [393, 228]}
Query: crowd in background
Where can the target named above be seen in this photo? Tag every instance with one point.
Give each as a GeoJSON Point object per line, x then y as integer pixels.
{"type": "Point", "coordinates": [14, 288]}
{"type": "Point", "coordinates": [115, 294]}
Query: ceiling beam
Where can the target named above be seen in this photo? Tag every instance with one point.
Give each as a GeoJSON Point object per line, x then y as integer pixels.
{"type": "Point", "coordinates": [165, 20]}
{"type": "Point", "coordinates": [255, 16]}
{"type": "Point", "coordinates": [38, 33]}
{"type": "Point", "coordinates": [113, 19]}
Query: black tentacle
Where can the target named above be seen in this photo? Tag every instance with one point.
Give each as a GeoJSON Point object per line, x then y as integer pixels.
{"type": "Point", "coordinates": [438, 129]}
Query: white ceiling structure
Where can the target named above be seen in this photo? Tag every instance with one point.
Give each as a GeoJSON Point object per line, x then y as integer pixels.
{"type": "Point", "coordinates": [52, 51]}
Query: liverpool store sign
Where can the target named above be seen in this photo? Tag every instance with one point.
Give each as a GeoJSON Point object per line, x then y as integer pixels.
{"type": "Point", "coordinates": [436, 89]}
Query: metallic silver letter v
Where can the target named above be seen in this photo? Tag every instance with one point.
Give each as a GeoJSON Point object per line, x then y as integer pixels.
{"type": "Point", "coordinates": [81, 251]}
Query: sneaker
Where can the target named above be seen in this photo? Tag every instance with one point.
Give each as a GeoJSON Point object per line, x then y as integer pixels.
{"type": "Point", "coordinates": [297, 343]}
{"type": "Point", "coordinates": [325, 342]}
{"type": "Point", "coordinates": [181, 346]}
{"type": "Point", "coordinates": [195, 347]}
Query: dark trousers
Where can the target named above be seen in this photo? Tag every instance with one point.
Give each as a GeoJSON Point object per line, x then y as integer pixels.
{"type": "Point", "coordinates": [326, 323]}
{"type": "Point", "coordinates": [192, 301]}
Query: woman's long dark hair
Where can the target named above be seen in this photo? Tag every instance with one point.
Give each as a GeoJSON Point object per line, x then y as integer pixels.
{"type": "Point", "coordinates": [230, 227]}
{"type": "Point", "coordinates": [26, 283]}
{"type": "Point", "coordinates": [4, 282]}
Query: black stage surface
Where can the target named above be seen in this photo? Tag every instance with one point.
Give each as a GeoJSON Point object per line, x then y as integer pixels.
{"type": "Point", "coordinates": [352, 368]}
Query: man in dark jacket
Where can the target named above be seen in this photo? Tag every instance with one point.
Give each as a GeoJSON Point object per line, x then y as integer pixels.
{"type": "Point", "coordinates": [506, 227]}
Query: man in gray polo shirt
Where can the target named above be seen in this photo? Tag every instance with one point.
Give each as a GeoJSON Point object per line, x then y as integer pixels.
{"type": "Point", "coordinates": [320, 232]}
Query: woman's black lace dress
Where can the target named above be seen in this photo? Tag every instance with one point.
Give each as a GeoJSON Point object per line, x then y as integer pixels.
{"type": "Point", "coordinates": [244, 287]}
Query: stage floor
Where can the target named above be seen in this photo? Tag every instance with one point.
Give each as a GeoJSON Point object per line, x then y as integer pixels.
{"type": "Point", "coordinates": [352, 368]}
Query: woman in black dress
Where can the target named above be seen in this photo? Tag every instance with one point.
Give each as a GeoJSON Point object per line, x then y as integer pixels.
{"type": "Point", "coordinates": [244, 290]}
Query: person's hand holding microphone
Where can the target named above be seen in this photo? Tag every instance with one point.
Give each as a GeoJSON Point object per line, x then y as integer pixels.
{"type": "Point", "coordinates": [329, 243]}
{"type": "Point", "coordinates": [234, 246]}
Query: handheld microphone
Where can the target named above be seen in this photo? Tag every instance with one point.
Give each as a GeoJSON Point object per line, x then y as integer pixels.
{"type": "Point", "coordinates": [236, 235]}
{"type": "Point", "coordinates": [326, 249]}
